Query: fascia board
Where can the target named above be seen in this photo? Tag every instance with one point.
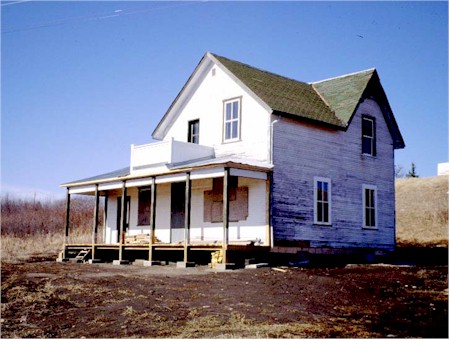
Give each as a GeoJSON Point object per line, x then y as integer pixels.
{"type": "Point", "coordinates": [240, 83]}
{"type": "Point", "coordinates": [181, 99]}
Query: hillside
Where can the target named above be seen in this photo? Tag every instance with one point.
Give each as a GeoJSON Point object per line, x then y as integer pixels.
{"type": "Point", "coordinates": [422, 211]}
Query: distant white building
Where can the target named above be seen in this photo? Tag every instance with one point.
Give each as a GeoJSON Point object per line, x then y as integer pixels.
{"type": "Point", "coordinates": [442, 169]}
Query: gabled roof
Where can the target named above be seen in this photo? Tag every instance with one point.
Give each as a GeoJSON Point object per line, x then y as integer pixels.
{"type": "Point", "coordinates": [332, 102]}
{"type": "Point", "coordinates": [343, 93]}
{"type": "Point", "coordinates": [282, 94]}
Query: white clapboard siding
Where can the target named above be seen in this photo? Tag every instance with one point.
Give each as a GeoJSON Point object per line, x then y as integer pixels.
{"type": "Point", "coordinates": [206, 104]}
{"type": "Point", "coordinates": [252, 228]}
{"type": "Point", "coordinates": [303, 151]}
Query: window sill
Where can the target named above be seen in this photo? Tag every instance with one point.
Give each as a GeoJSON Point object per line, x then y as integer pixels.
{"type": "Point", "coordinates": [370, 228]}
{"type": "Point", "coordinates": [230, 141]}
{"type": "Point", "coordinates": [320, 224]}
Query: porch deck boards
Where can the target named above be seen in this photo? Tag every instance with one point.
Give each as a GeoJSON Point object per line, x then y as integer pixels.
{"type": "Point", "coordinates": [166, 246]}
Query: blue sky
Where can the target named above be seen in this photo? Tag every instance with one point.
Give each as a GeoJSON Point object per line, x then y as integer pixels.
{"type": "Point", "coordinates": [82, 81]}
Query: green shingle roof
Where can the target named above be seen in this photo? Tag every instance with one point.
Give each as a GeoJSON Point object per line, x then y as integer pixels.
{"type": "Point", "coordinates": [283, 94]}
{"type": "Point", "coordinates": [342, 94]}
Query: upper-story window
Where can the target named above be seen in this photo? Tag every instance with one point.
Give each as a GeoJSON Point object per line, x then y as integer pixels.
{"type": "Point", "coordinates": [368, 136]}
{"type": "Point", "coordinates": [232, 120]}
{"type": "Point", "coordinates": [194, 131]}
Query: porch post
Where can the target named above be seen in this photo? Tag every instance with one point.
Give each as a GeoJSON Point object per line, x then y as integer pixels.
{"type": "Point", "coordinates": [123, 221]}
{"type": "Point", "coordinates": [95, 222]}
{"type": "Point", "coordinates": [66, 236]}
{"type": "Point", "coordinates": [269, 187]}
{"type": "Point", "coordinates": [105, 216]}
{"type": "Point", "coordinates": [152, 219]}
{"type": "Point", "coordinates": [226, 212]}
{"type": "Point", "coordinates": [187, 216]}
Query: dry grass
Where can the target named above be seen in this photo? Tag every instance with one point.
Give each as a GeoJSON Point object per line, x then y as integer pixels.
{"type": "Point", "coordinates": [30, 228]}
{"type": "Point", "coordinates": [422, 211]}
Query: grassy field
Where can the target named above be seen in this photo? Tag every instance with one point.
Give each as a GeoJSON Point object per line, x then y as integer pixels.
{"type": "Point", "coordinates": [422, 211]}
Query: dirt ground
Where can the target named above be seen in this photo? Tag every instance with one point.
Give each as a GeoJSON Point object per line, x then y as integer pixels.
{"type": "Point", "coordinates": [69, 300]}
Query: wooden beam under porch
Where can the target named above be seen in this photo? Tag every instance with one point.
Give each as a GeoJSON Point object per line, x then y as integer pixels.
{"type": "Point", "coordinates": [163, 252]}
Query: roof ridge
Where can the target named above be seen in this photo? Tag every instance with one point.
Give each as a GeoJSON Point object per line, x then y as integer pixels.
{"type": "Point", "coordinates": [259, 69]}
{"type": "Point", "coordinates": [343, 76]}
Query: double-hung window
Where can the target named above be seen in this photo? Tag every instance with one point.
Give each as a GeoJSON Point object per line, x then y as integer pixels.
{"type": "Point", "coordinates": [194, 131]}
{"type": "Point", "coordinates": [369, 206]}
{"type": "Point", "coordinates": [368, 136]}
{"type": "Point", "coordinates": [322, 200]}
{"type": "Point", "coordinates": [232, 120]}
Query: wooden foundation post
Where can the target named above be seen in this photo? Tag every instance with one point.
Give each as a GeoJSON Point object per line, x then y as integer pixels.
{"type": "Point", "coordinates": [226, 212]}
{"type": "Point", "coordinates": [187, 216]}
{"type": "Point", "coordinates": [152, 219]}
{"type": "Point", "coordinates": [95, 222]}
{"type": "Point", "coordinates": [123, 221]}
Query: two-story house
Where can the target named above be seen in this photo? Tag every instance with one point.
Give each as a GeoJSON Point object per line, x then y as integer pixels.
{"type": "Point", "coordinates": [248, 158]}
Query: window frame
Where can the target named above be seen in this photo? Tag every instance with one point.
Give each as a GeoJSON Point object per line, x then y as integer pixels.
{"type": "Point", "coordinates": [372, 138]}
{"type": "Point", "coordinates": [328, 201]}
{"type": "Point", "coordinates": [191, 135]}
{"type": "Point", "coordinates": [373, 206]}
{"type": "Point", "coordinates": [230, 121]}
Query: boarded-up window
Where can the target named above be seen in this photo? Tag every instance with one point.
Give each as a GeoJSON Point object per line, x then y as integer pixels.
{"type": "Point", "coordinates": [213, 202]}
{"type": "Point", "coordinates": [144, 206]}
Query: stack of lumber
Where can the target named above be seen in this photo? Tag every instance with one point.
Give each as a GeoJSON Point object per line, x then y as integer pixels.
{"type": "Point", "coordinates": [138, 239]}
{"type": "Point", "coordinates": [216, 257]}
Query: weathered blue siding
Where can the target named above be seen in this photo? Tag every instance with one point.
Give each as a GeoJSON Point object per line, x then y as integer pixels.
{"type": "Point", "coordinates": [302, 151]}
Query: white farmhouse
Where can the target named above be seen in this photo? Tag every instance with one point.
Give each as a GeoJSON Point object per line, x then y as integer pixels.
{"type": "Point", "coordinates": [247, 160]}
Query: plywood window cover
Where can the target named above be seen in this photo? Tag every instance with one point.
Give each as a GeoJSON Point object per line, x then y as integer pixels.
{"type": "Point", "coordinates": [213, 205]}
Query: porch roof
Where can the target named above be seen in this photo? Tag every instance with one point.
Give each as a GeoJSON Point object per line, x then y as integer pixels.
{"type": "Point", "coordinates": [124, 173]}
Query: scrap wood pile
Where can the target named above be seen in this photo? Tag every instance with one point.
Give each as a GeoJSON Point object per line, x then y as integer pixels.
{"type": "Point", "coordinates": [216, 257]}
{"type": "Point", "coordinates": [138, 239]}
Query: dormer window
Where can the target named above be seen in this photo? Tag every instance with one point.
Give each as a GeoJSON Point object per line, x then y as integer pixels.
{"type": "Point", "coordinates": [194, 131]}
{"type": "Point", "coordinates": [232, 120]}
{"type": "Point", "coordinates": [368, 136]}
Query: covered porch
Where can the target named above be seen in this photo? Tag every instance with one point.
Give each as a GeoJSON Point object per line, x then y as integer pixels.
{"type": "Point", "coordinates": [217, 205]}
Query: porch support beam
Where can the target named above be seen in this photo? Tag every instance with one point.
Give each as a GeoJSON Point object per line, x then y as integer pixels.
{"type": "Point", "coordinates": [152, 219]}
{"type": "Point", "coordinates": [187, 215]}
{"type": "Point", "coordinates": [66, 235]}
{"type": "Point", "coordinates": [95, 222]}
{"type": "Point", "coordinates": [269, 198]}
{"type": "Point", "coordinates": [123, 221]}
{"type": "Point", "coordinates": [105, 216]}
{"type": "Point", "coordinates": [225, 212]}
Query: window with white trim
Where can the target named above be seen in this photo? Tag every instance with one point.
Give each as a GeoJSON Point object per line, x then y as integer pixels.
{"type": "Point", "coordinates": [322, 200]}
{"type": "Point", "coordinates": [368, 139]}
{"type": "Point", "coordinates": [232, 120]}
{"type": "Point", "coordinates": [369, 206]}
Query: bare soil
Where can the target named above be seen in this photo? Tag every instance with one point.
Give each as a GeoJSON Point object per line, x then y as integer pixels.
{"type": "Point", "coordinates": [69, 300]}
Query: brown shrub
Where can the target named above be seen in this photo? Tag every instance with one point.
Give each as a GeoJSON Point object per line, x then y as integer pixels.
{"type": "Point", "coordinates": [31, 227]}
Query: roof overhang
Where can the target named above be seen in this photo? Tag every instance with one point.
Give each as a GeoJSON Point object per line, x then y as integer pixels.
{"type": "Point", "coordinates": [198, 170]}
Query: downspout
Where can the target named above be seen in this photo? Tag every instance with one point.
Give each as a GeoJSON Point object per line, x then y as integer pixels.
{"type": "Point", "coordinates": [271, 138]}
{"type": "Point", "coordinates": [271, 180]}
